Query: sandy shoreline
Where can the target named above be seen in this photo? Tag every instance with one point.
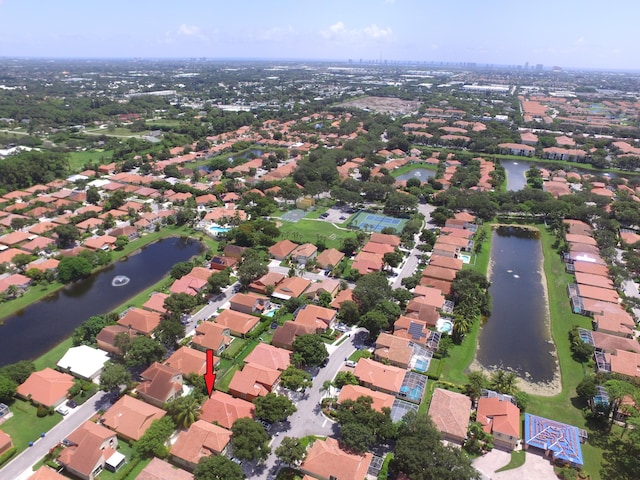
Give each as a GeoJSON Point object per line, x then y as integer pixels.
{"type": "Point", "coordinates": [546, 389]}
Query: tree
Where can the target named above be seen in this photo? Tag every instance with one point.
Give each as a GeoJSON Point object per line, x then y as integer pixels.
{"type": "Point", "coordinates": [217, 467]}
{"type": "Point", "coordinates": [67, 235]}
{"type": "Point", "coordinates": [7, 389]}
{"type": "Point", "coordinates": [273, 408]}
{"type": "Point", "coordinates": [375, 322]}
{"type": "Point", "coordinates": [179, 303]}
{"type": "Point", "coordinates": [169, 331]}
{"type": "Point", "coordinates": [291, 451]}
{"type": "Point", "coordinates": [19, 371]}
{"type": "Point", "coordinates": [22, 259]}
{"type": "Point", "coordinates": [180, 269]}
{"type": "Point", "coordinates": [251, 268]}
{"type": "Point", "coordinates": [361, 426]}
{"type": "Point", "coordinates": [349, 313]}
{"type": "Point", "coordinates": [217, 281]}
{"type": "Point", "coordinates": [184, 410]}
{"type": "Point", "coordinates": [370, 290]}
{"type": "Point", "coordinates": [93, 195]}
{"type": "Point", "coordinates": [144, 351]}
{"type": "Point", "coordinates": [311, 349]}
{"type": "Point", "coordinates": [503, 382]}
{"type": "Point", "coordinates": [420, 454]}
{"type": "Point", "coordinates": [153, 442]}
{"type": "Point", "coordinates": [113, 376]}
{"type": "Point", "coordinates": [121, 242]}
{"type": "Point", "coordinates": [73, 268]}
{"type": "Point", "coordinates": [349, 246]}
{"type": "Point", "coordinates": [476, 381]}
{"type": "Point", "coordinates": [295, 379]}
{"type": "Point", "coordinates": [86, 333]}
{"type": "Point", "coordinates": [393, 259]}
{"type": "Point", "coordinates": [587, 388]}
{"type": "Point", "coordinates": [345, 378]}
{"type": "Point", "coordinates": [250, 440]}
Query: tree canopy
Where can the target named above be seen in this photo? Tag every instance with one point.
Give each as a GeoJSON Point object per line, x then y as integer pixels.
{"type": "Point", "coordinates": [250, 440]}
{"type": "Point", "coordinates": [310, 349]}
{"type": "Point", "coordinates": [273, 408]}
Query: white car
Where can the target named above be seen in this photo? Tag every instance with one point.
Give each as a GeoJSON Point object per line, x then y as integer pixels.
{"type": "Point", "coordinates": [350, 363]}
{"type": "Point", "coordinates": [62, 410]}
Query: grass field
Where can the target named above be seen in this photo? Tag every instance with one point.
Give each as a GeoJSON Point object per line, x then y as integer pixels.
{"type": "Point", "coordinates": [25, 426]}
{"type": "Point", "coordinates": [311, 230]}
{"type": "Point", "coordinates": [413, 166]}
{"type": "Point", "coordinates": [77, 160]}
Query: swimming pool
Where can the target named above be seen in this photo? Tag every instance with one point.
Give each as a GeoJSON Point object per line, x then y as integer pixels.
{"type": "Point", "coordinates": [444, 325]}
{"type": "Point", "coordinates": [218, 230]}
{"type": "Point", "coordinates": [271, 313]}
{"type": "Point", "coordinates": [421, 365]}
{"type": "Point", "coordinates": [465, 258]}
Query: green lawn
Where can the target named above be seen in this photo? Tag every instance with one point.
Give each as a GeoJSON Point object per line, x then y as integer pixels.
{"type": "Point", "coordinates": [77, 160]}
{"type": "Point", "coordinates": [517, 460]}
{"type": "Point", "coordinates": [25, 426]}
{"type": "Point", "coordinates": [311, 230]}
{"type": "Point", "coordinates": [53, 356]}
{"type": "Point", "coordinates": [413, 166]}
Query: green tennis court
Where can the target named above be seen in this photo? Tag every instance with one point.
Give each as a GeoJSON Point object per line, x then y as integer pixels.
{"type": "Point", "coordinates": [375, 222]}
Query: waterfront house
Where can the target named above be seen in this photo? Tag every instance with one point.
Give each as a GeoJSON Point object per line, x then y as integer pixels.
{"type": "Point", "coordinates": [450, 412]}
{"type": "Point", "coordinates": [46, 387]}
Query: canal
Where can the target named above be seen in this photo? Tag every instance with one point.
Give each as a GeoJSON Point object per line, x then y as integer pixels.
{"type": "Point", "coordinates": [39, 327]}
{"type": "Point", "coordinates": [516, 336]}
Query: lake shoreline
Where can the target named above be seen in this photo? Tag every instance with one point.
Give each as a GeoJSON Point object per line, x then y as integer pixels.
{"type": "Point", "coordinates": [549, 388]}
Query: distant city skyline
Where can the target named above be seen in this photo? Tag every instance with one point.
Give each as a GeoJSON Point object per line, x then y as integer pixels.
{"type": "Point", "coordinates": [571, 34]}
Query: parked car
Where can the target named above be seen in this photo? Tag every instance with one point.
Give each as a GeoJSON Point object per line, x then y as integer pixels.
{"type": "Point", "coordinates": [62, 410]}
{"type": "Point", "coordinates": [266, 425]}
{"type": "Point", "coordinates": [71, 403]}
{"type": "Point", "coordinates": [350, 363]}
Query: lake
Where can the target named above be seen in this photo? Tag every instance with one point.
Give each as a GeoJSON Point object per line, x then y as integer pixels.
{"type": "Point", "coordinates": [39, 327]}
{"type": "Point", "coordinates": [421, 174]}
{"type": "Point", "coordinates": [516, 336]}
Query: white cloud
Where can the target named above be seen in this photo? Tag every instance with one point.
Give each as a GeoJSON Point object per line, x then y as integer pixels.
{"type": "Point", "coordinates": [189, 30]}
{"type": "Point", "coordinates": [339, 32]}
{"type": "Point", "coordinates": [580, 41]}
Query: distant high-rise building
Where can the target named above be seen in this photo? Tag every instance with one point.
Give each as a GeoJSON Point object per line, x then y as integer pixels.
{"type": "Point", "coordinates": [526, 65]}
{"type": "Point", "coordinates": [539, 67]}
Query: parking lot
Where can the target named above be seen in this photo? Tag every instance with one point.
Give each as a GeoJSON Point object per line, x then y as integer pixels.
{"type": "Point", "coordinates": [335, 215]}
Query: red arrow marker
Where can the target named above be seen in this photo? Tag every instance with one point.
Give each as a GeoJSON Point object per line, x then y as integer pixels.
{"type": "Point", "coordinates": [210, 375]}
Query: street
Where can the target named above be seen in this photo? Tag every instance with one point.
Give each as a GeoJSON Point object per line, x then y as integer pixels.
{"type": "Point", "coordinates": [20, 466]}
{"type": "Point", "coordinates": [308, 420]}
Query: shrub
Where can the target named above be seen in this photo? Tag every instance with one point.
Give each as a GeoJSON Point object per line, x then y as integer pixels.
{"type": "Point", "coordinates": [4, 458]}
{"type": "Point", "coordinates": [42, 411]}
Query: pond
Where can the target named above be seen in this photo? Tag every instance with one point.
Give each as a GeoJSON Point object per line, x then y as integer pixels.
{"type": "Point", "coordinates": [516, 336]}
{"type": "Point", "coordinates": [516, 171]}
{"type": "Point", "coordinates": [39, 327]}
{"type": "Point", "coordinates": [422, 174]}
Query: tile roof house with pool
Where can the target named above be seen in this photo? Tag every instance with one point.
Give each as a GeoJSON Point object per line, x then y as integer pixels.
{"type": "Point", "coordinates": [378, 376]}
{"type": "Point", "coordinates": [380, 400]}
{"type": "Point", "coordinates": [239, 324]}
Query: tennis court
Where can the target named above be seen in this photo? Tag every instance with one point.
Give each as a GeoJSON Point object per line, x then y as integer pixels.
{"type": "Point", "coordinates": [375, 222]}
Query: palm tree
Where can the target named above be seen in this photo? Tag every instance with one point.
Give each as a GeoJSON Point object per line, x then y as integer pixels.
{"type": "Point", "coordinates": [504, 382]}
{"type": "Point", "coordinates": [185, 411]}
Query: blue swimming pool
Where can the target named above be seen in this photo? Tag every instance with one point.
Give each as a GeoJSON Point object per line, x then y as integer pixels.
{"type": "Point", "coordinates": [421, 365]}
{"type": "Point", "coordinates": [218, 230]}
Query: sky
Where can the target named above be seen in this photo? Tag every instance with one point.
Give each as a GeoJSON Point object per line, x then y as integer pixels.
{"type": "Point", "coordinates": [567, 33]}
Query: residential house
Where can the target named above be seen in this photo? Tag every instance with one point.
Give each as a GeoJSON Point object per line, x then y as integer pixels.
{"type": "Point", "coordinates": [103, 242]}
{"type": "Point", "coordinates": [501, 418]}
{"type": "Point", "coordinates": [270, 357]}
{"type": "Point", "coordinates": [160, 384]}
{"type": "Point", "coordinates": [188, 361]}
{"type": "Point", "coordinates": [249, 303]}
{"type": "Point", "coordinates": [83, 361]}
{"type": "Point", "coordinates": [378, 376]}
{"type": "Point", "coordinates": [328, 285]}
{"type": "Point", "coordinates": [285, 334]}
{"type": "Point", "coordinates": [160, 470]}
{"type": "Point", "coordinates": [623, 363]}
{"type": "Point", "coordinates": [253, 381]}
{"type": "Point", "coordinates": [429, 295]}
{"type": "Point", "coordinates": [423, 312]}
{"type": "Point", "coordinates": [386, 239]}
{"type": "Point", "coordinates": [325, 460]}
{"type": "Point", "coordinates": [367, 262]}
{"type": "Point", "coordinates": [239, 324]}
{"type": "Point", "coordinates": [201, 440]}
{"type": "Point", "coordinates": [189, 285]}
{"type": "Point", "coordinates": [107, 339]}
{"type": "Point", "coordinates": [46, 387]}
{"type": "Point", "coordinates": [282, 249]}
{"type": "Point", "coordinates": [156, 302]}
{"type": "Point", "coordinates": [5, 442]}
{"type": "Point", "coordinates": [393, 350]}
{"type": "Point", "coordinates": [343, 296]}
{"type": "Point", "coordinates": [223, 409]}
{"type": "Point", "coordinates": [380, 400]}
{"type": "Point", "coordinates": [212, 336]}
{"type": "Point", "coordinates": [141, 321]}
{"type": "Point", "coordinates": [329, 258]}
{"type": "Point", "coordinates": [130, 418]}
{"type": "Point", "coordinates": [614, 321]}
{"type": "Point", "coordinates": [517, 149]}
{"type": "Point", "coordinates": [314, 316]}
{"type": "Point", "coordinates": [291, 287]}
{"type": "Point", "coordinates": [446, 262]}
{"type": "Point", "coordinates": [88, 448]}
{"type": "Point", "coordinates": [46, 473]}
{"type": "Point", "coordinates": [271, 279]}
{"type": "Point", "coordinates": [450, 412]}
{"type": "Point", "coordinates": [303, 253]}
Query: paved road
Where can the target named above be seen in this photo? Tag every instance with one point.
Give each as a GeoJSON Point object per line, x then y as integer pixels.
{"type": "Point", "coordinates": [413, 257]}
{"type": "Point", "coordinates": [308, 420]}
{"type": "Point", "coordinates": [209, 309]}
{"type": "Point", "coordinates": [20, 467]}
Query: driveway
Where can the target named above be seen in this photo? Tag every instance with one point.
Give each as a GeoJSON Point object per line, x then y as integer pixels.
{"type": "Point", "coordinates": [308, 420]}
{"type": "Point", "coordinates": [535, 467]}
{"type": "Point", "coordinates": [20, 467]}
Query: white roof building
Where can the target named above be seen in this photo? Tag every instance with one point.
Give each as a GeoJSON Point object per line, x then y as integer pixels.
{"type": "Point", "coordinates": [83, 361]}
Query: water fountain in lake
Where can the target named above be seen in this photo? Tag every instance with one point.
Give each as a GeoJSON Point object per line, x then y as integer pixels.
{"type": "Point", "coordinates": [120, 281]}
